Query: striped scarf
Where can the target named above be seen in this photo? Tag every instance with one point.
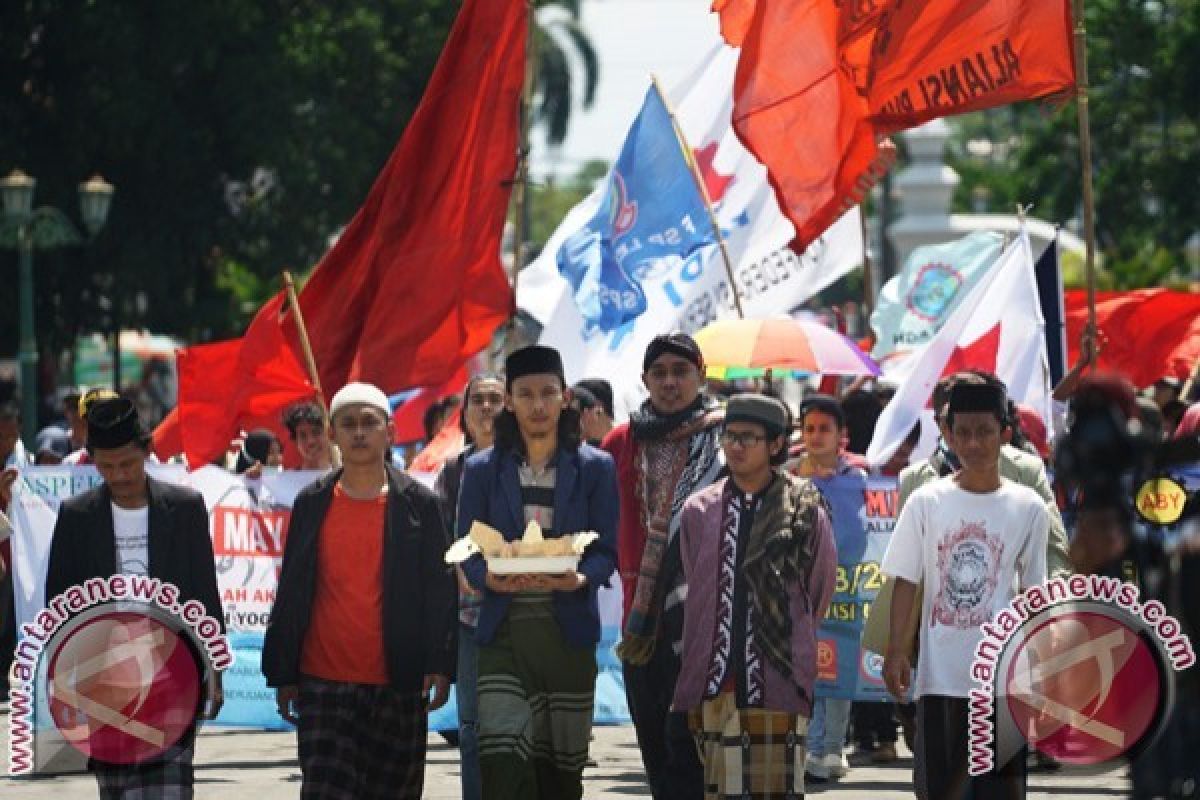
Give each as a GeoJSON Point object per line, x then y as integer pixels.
{"type": "Point", "coordinates": [671, 466]}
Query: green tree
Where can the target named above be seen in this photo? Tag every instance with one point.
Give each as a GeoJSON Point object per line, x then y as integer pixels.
{"type": "Point", "coordinates": [1145, 126]}
{"type": "Point", "coordinates": [239, 135]}
{"type": "Point", "coordinates": [557, 36]}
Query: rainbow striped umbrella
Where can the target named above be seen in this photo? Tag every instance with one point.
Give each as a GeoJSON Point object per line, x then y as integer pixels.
{"type": "Point", "coordinates": [743, 348]}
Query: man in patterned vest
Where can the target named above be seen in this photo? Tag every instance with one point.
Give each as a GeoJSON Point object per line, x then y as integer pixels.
{"type": "Point", "coordinates": [759, 557]}
{"type": "Point", "coordinates": [669, 449]}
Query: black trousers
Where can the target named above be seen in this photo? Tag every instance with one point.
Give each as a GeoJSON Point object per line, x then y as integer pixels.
{"type": "Point", "coordinates": [874, 723]}
{"type": "Point", "coordinates": [673, 767]}
{"type": "Point", "coordinates": [940, 772]}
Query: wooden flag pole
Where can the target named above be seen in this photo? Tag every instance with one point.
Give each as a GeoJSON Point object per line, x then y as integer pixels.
{"type": "Point", "coordinates": [521, 187]}
{"type": "Point", "coordinates": [694, 168]}
{"type": "Point", "coordinates": [310, 361]}
{"type": "Point", "coordinates": [1085, 156]}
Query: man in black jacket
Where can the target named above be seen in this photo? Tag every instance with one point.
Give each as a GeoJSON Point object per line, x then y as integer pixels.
{"type": "Point", "coordinates": [360, 645]}
{"type": "Point", "coordinates": [135, 525]}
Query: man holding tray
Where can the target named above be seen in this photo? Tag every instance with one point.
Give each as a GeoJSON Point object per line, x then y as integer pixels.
{"type": "Point", "coordinates": [537, 633]}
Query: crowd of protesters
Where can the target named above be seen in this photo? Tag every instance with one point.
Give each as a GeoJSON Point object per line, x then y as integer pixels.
{"type": "Point", "coordinates": [709, 513]}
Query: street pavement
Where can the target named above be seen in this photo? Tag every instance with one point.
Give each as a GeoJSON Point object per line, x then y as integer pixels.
{"type": "Point", "coordinates": [262, 766]}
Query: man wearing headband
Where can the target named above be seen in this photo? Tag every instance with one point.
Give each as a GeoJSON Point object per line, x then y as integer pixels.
{"type": "Point", "coordinates": [970, 537]}
{"type": "Point", "coordinates": [133, 524]}
{"type": "Point", "coordinates": [669, 449]}
{"type": "Point", "coordinates": [360, 644]}
{"type": "Point", "coordinates": [537, 634]}
{"type": "Point", "coordinates": [760, 561]}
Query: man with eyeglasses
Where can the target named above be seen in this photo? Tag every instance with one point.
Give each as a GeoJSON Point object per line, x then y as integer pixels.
{"type": "Point", "coordinates": [760, 561]}
{"type": "Point", "coordinates": [668, 450]}
{"type": "Point", "coordinates": [360, 644]}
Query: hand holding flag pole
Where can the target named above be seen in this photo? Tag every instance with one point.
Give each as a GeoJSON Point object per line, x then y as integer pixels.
{"type": "Point", "coordinates": [702, 187]}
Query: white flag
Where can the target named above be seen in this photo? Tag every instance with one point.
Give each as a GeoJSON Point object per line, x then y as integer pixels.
{"type": "Point", "coordinates": [998, 327]}
{"type": "Point", "coordinates": [688, 293]}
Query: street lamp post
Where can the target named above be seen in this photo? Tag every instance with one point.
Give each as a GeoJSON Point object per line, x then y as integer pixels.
{"type": "Point", "coordinates": [27, 229]}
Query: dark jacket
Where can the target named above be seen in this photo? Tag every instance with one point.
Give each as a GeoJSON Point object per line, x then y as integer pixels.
{"type": "Point", "coordinates": [84, 545]}
{"type": "Point", "coordinates": [419, 597]}
{"type": "Point", "coordinates": [585, 499]}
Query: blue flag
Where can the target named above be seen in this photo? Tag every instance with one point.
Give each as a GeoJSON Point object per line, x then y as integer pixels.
{"type": "Point", "coordinates": [652, 215]}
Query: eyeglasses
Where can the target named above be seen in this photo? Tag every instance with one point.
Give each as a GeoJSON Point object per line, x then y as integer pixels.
{"type": "Point", "coordinates": [741, 439]}
{"type": "Point", "coordinates": [677, 371]}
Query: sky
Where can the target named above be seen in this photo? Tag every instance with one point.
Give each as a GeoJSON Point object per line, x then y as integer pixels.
{"type": "Point", "coordinates": [633, 38]}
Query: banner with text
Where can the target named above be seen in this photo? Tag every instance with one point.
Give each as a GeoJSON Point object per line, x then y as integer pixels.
{"type": "Point", "coordinates": [248, 522]}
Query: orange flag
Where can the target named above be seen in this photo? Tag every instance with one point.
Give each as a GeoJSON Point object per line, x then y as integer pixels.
{"type": "Point", "coordinates": [798, 107]}
{"type": "Point", "coordinates": [935, 58]}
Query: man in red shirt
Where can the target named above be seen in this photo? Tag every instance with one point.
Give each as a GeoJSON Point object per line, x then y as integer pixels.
{"type": "Point", "coordinates": [669, 449]}
{"type": "Point", "coordinates": [360, 645]}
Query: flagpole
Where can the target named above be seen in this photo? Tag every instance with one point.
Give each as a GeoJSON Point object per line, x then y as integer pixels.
{"type": "Point", "coordinates": [521, 187]}
{"type": "Point", "coordinates": [309, 360]}
{"type": "Point", "coordinates": [868, 281]}
{"type": "Point", "coordinates": [1085, 156]}
{"type": "Point", "coordinates": [694, 168]}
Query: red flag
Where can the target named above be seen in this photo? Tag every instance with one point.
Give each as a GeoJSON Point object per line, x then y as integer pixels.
{"type": "Point", "coordinates": [415, 284]}
{"type": "Point", "coordinates": [238, 384]}
{"type": "Point", "coordinates": [167, 440]}
{"type": "Point", "coordinates": [797, 105]}
{"type": "Point", "coordinates": [1151, 332]}
{"type": "Point", "coordinates": [935, 58]}
{"type": "Point", "coordinates": [448, 443]}
{"type": "Point", "coordinates": [409, 419]}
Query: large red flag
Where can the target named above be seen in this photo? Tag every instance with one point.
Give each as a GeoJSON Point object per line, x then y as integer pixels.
{"type": "Point", "coordinates": [1151, 333]}
{"type": "Point", "coordinates": [415, 284]}
{"type": "Point", "coordinates": [797, 104]}
{"type": "Point", "coordinates": [935, 58]}
{"type": "Point", "coordinates": [238, 384]}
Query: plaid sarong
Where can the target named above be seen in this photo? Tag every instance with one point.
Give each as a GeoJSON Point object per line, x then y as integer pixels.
{"type": "Point", "coordinates": [749, 752]}
{"type": "Point", "coordinates": [358, 741]}
{"type": "Point", "coordinates": [167, 778]}
{"type": "Point", "coordinates": [535, 707]}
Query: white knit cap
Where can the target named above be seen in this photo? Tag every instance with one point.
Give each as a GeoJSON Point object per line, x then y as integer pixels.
{"type": "Point", "coordinates": [360, 394]}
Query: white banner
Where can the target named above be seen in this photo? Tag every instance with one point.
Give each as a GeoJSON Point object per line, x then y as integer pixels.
{"type": "Point", "coordinates": [248, 522]}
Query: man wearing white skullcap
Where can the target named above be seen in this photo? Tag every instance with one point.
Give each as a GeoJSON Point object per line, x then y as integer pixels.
{"type": "Point", "coordinates": [361, 641]}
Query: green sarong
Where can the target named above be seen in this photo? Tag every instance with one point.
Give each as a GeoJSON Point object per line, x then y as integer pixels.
{"type": "Point", "coordinates": [535, 707]}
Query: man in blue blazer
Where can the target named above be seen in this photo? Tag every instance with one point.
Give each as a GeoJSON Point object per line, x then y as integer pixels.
{"type": "Point", "coordinates": [537, 634]}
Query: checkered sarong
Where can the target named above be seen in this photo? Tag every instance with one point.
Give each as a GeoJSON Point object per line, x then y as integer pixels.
{"type": "Point", "coordinates": [749, 752]}
{"type": "Point", "coordinates": [358, 742]}
{"type": "Point", "coordinates": [167, 778]}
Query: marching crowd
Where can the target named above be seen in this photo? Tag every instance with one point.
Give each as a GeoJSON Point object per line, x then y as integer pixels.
{"type": "Point", "coordinates": [709, 512]}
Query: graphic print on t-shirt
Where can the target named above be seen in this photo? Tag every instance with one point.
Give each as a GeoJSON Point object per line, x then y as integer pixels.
{"type": "Point", "coordinates": [968, 563]}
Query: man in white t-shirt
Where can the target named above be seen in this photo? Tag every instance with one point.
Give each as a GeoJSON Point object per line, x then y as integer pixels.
{"type": "Point", "coordinates": [972, 537]}
{"type": "Point", "coordinates": [133, 524]}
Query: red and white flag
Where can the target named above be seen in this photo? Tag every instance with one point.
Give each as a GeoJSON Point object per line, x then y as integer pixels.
{"type": "Point", "coordinates": [998, 327]}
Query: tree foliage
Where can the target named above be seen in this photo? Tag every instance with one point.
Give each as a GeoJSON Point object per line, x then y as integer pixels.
{"type": "Point", "coordinates": [1145, 126]}
{"type": "Point", "coordinates": [239, 136]}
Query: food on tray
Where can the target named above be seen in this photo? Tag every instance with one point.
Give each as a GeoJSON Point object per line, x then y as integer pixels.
{"type": "Point", "coordinates": [483, 538]}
